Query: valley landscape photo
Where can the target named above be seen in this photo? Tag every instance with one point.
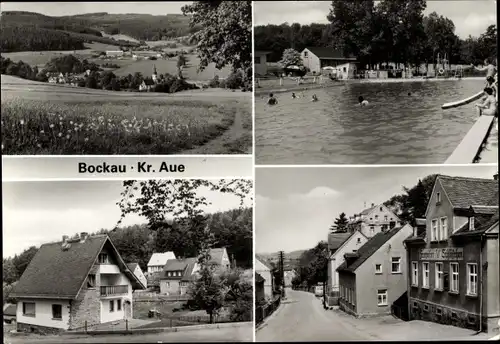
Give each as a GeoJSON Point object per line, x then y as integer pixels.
{"type": "Point", "coordinates": [136, 79]}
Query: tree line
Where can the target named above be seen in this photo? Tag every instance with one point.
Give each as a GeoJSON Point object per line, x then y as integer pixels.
{"type": "Point", "coordinates": [408, 206]}
{"type": "Point", "coordinates": [391, 31]}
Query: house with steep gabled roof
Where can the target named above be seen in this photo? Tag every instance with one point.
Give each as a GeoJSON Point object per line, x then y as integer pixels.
{"type": "Point", "coordinates": [82, 281]}
{"type": "Point", "coordinates": [454, 255]}
{"type": "Point", "coordinates": [158, 261]}
{"type": "Point", "coordinates": [373, 220]}
{"type": "Point", "coordinates": [265, 271]}
{"type": "Point", "coordinates": [219, 258]}
{"type": "Point", "coordinates": [177, 274]}
{"type": "Point", "coordinates": [374, 277]}
{"type": "Point", "coordinates": [338, 245]}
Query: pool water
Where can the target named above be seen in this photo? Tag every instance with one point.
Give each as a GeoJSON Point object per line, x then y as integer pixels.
{"type": "Point", "coordinates": [396, 128]}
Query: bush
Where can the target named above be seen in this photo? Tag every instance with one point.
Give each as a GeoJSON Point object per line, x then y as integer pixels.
{"type": "Point", "coordinates": [214, 83]}
{"type": "Point", "coordinates": [234, 81]}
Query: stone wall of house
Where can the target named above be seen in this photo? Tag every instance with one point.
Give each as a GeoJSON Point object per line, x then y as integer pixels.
{"type": "Point", "coordinates": [21, 327]}
{"type": "Point", "coordinates": [427, 311]}
{"type": "Point", "coordinates": [87, 306]}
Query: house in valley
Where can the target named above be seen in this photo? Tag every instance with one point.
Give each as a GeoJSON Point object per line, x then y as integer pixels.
{"type": "Point", "coordinates": [374, 277]}
{"type": "Point", "coordinates": [264, 270]}
{"type": "Point", "coordinates": [338, 245]}
{"type": "Point", "coordinates": [158, 261]}
{"type": "Point", "coordinates": [219, 258]}
{"type": "Point", "coordinates": [147, 85]}
{"type": "Point", "coordinates": [114, 53]}
{"type": "Point", "coordinates": [454, 256]}
{"type": "Point", "coordinates": [177, 274]}
{"type": "Point", "coordinates": [316, 58]}
{"type": "Point", "coordinates": [82, 281]}
{"type": "Point", "coordinates": [137, 271]}
{"type": "Point", "coordinates": [373, 220]}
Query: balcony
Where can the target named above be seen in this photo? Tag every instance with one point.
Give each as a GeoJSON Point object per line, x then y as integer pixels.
{"type": "Point", "coordinates": [110, 290]}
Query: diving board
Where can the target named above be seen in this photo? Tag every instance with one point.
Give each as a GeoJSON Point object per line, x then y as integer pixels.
{"type": "Point", "coordinates": [463, 101]}
{"type": "Point", "coordinates": [470, 147]}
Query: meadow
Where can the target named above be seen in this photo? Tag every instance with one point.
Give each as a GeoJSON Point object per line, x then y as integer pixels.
{"type": "Point", "coordinates": [58, 120]}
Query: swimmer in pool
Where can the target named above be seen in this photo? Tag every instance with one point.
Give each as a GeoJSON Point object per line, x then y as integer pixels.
{"type": "Point", "coordinates": [314, 98]}
{"type": "Point", "coordinates": [362, 101]}
{"type": "Point", "coordinates": [489, 106]}
{"type": "Point", "coordinates": [272, 100]}
{"type": "Point", "coordinates": [293, 95]}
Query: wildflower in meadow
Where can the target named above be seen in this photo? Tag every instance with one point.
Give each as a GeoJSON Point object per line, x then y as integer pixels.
{"type": "Point", "coordinates": [42, 132]}
{"type": "Point", "coordinates": [39, 145]}
{"type": "Point", "coordinates": [86, 139]}
{"type": "Point", "coordinates": [22, 122]}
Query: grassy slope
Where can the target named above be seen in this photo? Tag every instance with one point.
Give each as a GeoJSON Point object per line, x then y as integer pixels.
{"type": "Point", "coordinates": [164, 124]}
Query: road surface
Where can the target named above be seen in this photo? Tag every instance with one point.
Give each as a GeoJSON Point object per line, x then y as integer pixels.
{"type": "Point", "coordinates": [302, 318]}
{"type": "Point", "coordinates": [227, 334]}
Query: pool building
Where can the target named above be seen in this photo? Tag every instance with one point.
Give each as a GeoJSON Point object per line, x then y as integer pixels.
{"type": "Point", "coordinates": [453, 256]}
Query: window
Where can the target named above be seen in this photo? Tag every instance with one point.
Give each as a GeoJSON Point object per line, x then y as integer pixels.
{"type": "Point", "coordinates": [376, 217]}
{"type": "Point", "coordinates": [439, 311]}
{"type": "Point", "coordinates": [439, 276]}
{"type": "Point", "coordinates": [382, 297]}
{"type": "Point", "coordinates": [381, 209]}
{"type": "Point", "coordinates": [454, 277]}
{"type": "Point", "coordinates": [471, 223]}
{"type": "Point", "coordinates": [414, 273]}
{"type": "Point", "coordinates": [345, 69]}
{"type": "Point", "coordinates": [438, 198]}
{"type": "Point", "coordinates": [359, 240]}
{"type": "Point", "coordinates": [167, 284]}
{"type": "Point", "coordinates": [372, 230]}
{"type": "Point", "coordinates": [118, 305]}
{"type": "Point", "coordinates": [426, 308]}
{"type": "Point", "coordinates": [103, 258]}
{"type": "Point", "coordinates": [57, 312]}
{"type": "Point", "coordinates": [378, 268]}
{"type": "Point", "coordinates": [434, 230]}
{"type": "Point", "coordinates": [91, 281]}
{"type": "Point", "coordinates": [29, 309]}
{"type": "Point", "coordinates": [385, 217]}
{"type": "Point", "coordinates": [425, 276]}
{"type": "Point", "coordinates": [256, 60]}
{"type": "Point", "coordinates": [444, 228]}
{"type": "Point", "coordinates": [472, 279]}
{"type": "Point", "coordinates": [396, 265]}
{"type": "Point", "coordinates": [305, 53]}
{"type": "Point", "coordinates": [111, 305]}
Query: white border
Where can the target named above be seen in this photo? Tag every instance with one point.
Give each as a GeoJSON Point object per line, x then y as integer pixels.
{"type": "Point", "coordinates": [253, 173]}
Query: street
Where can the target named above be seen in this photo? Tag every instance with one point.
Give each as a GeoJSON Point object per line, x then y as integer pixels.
{"type": "Point", "coordinates": [301, 317]}
{"type": "Point", "coordinates": [228, 334]}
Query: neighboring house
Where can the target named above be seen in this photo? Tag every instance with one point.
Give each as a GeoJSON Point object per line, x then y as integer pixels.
{"type": "Point", "coordinates": [9, 313]}
{"type": "Point", "coordinates": [158, 261]}
{"type": "Point", "coordinates": [260, 295]}
{"type": "Point", "coordinates": [75, 283]}
{"type": "Point", "coordinates": [374, 277]}
{"type": "Point", "coordinates": [137, 271]}
{"type": "Point", "coordinates": [454, 258]}
{"type": "Point", "coordinates": [373, 220]}
{"type": "Point", "coordinates": [260, 62]}
{"type": "Point", "coordinates": [338, 245]}
{"type": "Point", "coordinates": [220, 258]}
{"type": "Point", "coordinates": [177, 275]}
{"type": "Point", "coordinates": [265, 272]}
{"type": "Point", "coordinates": [315, 59]}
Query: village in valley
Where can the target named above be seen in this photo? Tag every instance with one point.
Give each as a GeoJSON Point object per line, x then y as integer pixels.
{"type": "Point", "coordinates": [188, 278]}
{"type": "Point", "coordinates": [146, 68]}
{"type": "Point", "coordinates": [419, 265]}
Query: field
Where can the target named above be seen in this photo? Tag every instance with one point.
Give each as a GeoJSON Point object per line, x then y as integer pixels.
{"type": "Point", "coordinates": [40, 118]}
{"type": "Point", "coordinates": [170, 66]}
{"type": "Point", "coordinates": [120, 36]}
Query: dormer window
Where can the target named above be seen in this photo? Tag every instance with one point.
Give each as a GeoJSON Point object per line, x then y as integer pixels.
{"type": "Point", "coordinates": [471, 223]}
{"type": "Point", "coordinates": [380, 208]}
{"type": "Point", "coordinates": [438, 198]}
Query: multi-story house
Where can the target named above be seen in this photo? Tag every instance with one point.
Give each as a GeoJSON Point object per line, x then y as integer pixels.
{"type": "Point", "coordinates": [338, 245]}
{"type": "Point", "coordinates": [373, 220]}
{"type": "Point", "coordinates": [454, 256]}
{"type": "Point", "coordinates": [177, 275]}
{"type": "Point", "coordinates": [374, 277]}
{"type": "Point", "coordinates": [264, 271]}
{"type": "Point", "coordinates": [75, 283]}
{"type": "Point", "coordinates": [158, 261]}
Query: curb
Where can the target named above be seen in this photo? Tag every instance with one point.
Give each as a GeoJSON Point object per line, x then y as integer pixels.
{"type": "Point", "coordinates": [157, 329]}
{"type": "Point", "coordinates": [265, 321]}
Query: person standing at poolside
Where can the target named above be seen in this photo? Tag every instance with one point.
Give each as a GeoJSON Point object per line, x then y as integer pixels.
{"type": "Point", "coordinates": [489, 67]}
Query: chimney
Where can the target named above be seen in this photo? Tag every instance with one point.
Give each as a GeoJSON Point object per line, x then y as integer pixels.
{"type": "Point", "coordinates": [495, 176]}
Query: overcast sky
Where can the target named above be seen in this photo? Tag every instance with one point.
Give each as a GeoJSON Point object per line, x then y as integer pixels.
{"type": "Point", "coordinates": [73, 7]}
{"type": "Point", "coordinates": [294, 207]}
{"type": "Point", "coordinates": [470, 17]}
{"type": "Point", "coordinates": [39, 212]}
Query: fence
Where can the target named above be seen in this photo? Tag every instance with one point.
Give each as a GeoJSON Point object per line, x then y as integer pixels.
{"type": "Point", "coordinates": [158, 297]}
{"type": "Point", "coordinates": [262, 312]}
